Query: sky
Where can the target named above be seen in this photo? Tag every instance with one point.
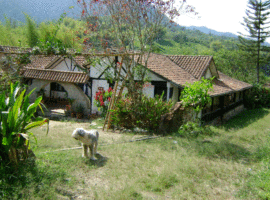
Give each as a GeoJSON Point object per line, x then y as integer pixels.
{"type": "Point", "coordinates": [219, 15]}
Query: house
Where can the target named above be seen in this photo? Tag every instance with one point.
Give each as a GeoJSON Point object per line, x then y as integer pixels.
{"type": "Point", "coordinates": [227, 95]}
{"type": "Point", "coordinates": [62, 77]}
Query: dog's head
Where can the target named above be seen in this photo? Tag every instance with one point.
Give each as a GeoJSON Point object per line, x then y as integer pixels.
{"type": "Point", "coordinates": [78, 133]}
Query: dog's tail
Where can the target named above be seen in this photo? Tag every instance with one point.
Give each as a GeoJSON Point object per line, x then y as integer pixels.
{"type": "Point", "coordinates": [97, 134]}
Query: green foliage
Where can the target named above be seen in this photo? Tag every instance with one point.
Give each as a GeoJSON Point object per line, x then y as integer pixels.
{"type": "Point", "coordinates": [17, 115]}
{"type": "Point", "coordinates": [69, 32]}
{"type": "Point", "coordinates": [193, 129]}
{"type": "Point", "coordinates": [216, 45]}
{"type": "Point", "coordinates": [11, 74]}
{"type": "Point", "coordinates": [102, 100]}
{"type": "Point", "coordinates": [32, 34]}
{"type": "Point", "coordinates": [144, 113]}
{"type": "Point", "coordinates": [196, 94]}
{"type": "Point", "coordinates": [180, 37]}
{"type": "Point", "coordinates": [258, 96]}
{"type": "Point", "coordinates": [256, 23]}
{"type": "Point", "coordinates": [80, 108]}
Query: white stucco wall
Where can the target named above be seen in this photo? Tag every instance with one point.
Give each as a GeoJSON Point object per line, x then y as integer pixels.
{"type": "Point", "coordinates": [148, 89]}
{"type": "Point", "coordinates": [65, 66]}
{"type": "Point", "coordinates": [208, 74]}
{"type": "Point", "coordinates": [74, 92]}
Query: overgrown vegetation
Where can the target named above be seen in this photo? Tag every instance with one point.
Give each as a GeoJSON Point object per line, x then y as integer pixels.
{"type": "Point", "coordinates": [230, 163]}
{"type": "Point", "coordinates": [197, 94]}
{"type": "Point", "coordinates": [144, 112]}
{"type": "Point", "coordinates": [257, 97]}
{"type": "Point", "coordinates": [16, 120]}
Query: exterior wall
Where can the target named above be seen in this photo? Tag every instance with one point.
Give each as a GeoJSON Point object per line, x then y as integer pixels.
{"type": "Point", "coordinates": [208, 74]}
{"type": "Point", "coordinates": [74, 92]}
{"type": "Point", "coordinates": [189, 115]}
{"type": "Point", "coordinates": [65, 66]}
{"type": "Point", "coordinates": [148, 90]}
{"type": "Point", "coordinates": [37, 85]}
{"type": "Point", "coordinates": [213, 69]}
{"type": "Point", "coordinates": [151, 76]}
{"type": "Point", "coordinates": [234, 112]}
{"type": "Point", "coordinates": [96, 70]}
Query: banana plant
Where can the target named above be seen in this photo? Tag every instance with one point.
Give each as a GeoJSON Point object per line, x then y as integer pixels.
{"type": "Point", "coordinates": [17, 118]}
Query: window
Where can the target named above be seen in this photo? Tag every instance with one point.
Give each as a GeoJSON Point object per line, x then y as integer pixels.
{"type": "Point", "coordinates": [57, 87]}
{"type": "Point", "coordinates": [160, 87]}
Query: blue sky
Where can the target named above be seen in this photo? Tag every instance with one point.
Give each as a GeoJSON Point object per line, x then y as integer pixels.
{"type": "Point", "coordinates": [220, 15]}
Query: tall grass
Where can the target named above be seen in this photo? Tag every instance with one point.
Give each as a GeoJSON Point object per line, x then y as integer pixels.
{"type": "Point", "coordinates": [230, 164]}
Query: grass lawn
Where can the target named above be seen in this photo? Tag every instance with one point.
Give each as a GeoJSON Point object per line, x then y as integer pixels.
{"type": "Point", "coordinates": [230, 163]}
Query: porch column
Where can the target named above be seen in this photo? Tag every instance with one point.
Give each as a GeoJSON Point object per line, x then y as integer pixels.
{"type": "Point", "coordinates": [168, 90]}
{"type": "Point", "coordinates": [175, 94]}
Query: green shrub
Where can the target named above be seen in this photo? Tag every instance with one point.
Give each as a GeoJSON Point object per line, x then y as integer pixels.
{"type": "Point", "coordinates": [193, 129]}
{"type": "Point", "coordinates": [17, 118]}
{"type": "Point", "coordinates": [144, 113]}
{"type": "Point", "coordinates": [257, 97]}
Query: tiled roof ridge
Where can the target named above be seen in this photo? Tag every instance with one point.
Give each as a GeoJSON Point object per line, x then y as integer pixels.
{"type": "Point", "coordinates": [50, 70]}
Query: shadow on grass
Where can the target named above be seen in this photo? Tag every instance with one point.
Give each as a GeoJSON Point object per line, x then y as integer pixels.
{"type": "Point", "coordinates": [229, 151]}
{"type": "Point", "coordinates": [100, 162]}
{"type": "Point", "coordinates": [27, 179]}
{"type": "Point", "coordinates": [245, 118]}
{"type": "Point", "coordinates": [223, 150]}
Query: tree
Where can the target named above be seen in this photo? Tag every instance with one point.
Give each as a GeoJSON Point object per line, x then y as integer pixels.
{"type": "Point", "coordinates": [255, 24]}
{"type": "Point", "coordinates": [216, 45]}
{"type": "Point", "coordinates": [133, 25]}
{"type": "Point", "coordinates": [32, 34]}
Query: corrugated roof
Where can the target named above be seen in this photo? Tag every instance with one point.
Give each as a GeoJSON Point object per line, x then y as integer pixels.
{"type": "Point", "coordinates": [58, 76]}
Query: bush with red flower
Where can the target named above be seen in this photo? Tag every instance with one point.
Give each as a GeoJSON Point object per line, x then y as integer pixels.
{"type": "Point", "coordinates": [102, 100]}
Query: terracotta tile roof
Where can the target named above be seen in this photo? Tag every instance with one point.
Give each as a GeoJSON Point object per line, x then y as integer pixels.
{"type": "Point", "coordinates": [226, 84]}
{"type": "Point", "coordinates": [195, 65]}
{"type": "Point", "coordinates": [179, 70]}
{"type": "Point", "coordinates": [80, 60]}
{"type": "Point", "coordinates": [40, 61]}
{"type": "Point", "coordinates": [163, 66]}
{"type": "Point", "coordinates": [59, 76]}
{"type": "Point", "coordinates": [49, 62]}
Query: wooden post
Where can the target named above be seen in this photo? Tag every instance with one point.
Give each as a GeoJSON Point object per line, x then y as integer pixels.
{"type": "Point", "coordinates": [108, 114]}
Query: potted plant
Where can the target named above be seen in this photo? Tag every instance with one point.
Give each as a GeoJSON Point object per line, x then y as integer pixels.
{"type": "Point", "coordinates": [79, 110]}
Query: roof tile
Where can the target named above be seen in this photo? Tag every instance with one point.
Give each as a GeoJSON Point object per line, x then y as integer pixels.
{"type": "Point", "coordinates": [53, 75]}
{"type": "Point", "coordinates": [188, 69]}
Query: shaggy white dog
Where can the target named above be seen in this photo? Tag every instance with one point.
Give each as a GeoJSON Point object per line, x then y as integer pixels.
{"type": "Point", "coordinates": [89, 140]}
